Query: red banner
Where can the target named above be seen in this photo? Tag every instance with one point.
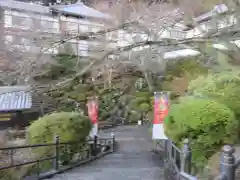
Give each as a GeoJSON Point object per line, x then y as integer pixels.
{"type": "Point", "coordinates": [93, 110]}
{"type": "Point", "coordinates": [161, 107]}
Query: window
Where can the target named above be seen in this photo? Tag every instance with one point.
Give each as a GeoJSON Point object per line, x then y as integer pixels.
{"type": "Point", "coordinates": [8, 39]}
{"type": "Point", "coordinates": [22, 22]}
{"type": "Point", "coordinates": [5, 117]}
{"type": "Point", "coordinates": [177, 34]}
{"type": "Point", "coordinates": [49, 24]}
{"type": "Point", "coordinates": [49, 50]}
{"type": "Point", "coordinates": [95, 28]}
{"type": "Point", "coordinates": [83, 48]}
{"type": "Point", "coordinates": [83, 28]}
{"type": "Point", "coordinates": [70, 26]}
{"type": "Point", "coordinates": [7, 21]}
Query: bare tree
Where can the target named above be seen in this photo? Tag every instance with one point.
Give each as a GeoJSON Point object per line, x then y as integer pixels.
{"type": "Point", "coordinates": [140, 35]}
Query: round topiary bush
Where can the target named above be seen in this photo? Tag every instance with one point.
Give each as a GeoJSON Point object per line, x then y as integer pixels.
{"type": "Point", "coordinates": [69, 126]}
{"type": "Point", "coordinates": [223, 87]}
{"type": "Point", "coordinates": [206, 123]}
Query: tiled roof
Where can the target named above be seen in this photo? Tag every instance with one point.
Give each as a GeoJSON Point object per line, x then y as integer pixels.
{"type": "Point", "coordinates": [15, 98]}
{"type": "Point", "coordinates": [218, 9]}
{"type": "Point", "coordinates": [81, 10]}
{"type": "Point", "coordinates": [23, 6]}
{"type": "Point", "coordinates": [74, 9]}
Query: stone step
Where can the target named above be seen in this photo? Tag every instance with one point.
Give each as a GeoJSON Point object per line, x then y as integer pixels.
{"type": "Point", "coordinates": [115, 173]}
{"type": "Point", "coordinates": [133, 160]}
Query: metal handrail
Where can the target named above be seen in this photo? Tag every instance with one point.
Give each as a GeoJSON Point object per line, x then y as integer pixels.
{"type": "Point", "coordinates": [92, 150]}
{"type": "Point", "coordinates": [177, 161]}
{"type": "Point", "coordinates": [188, 176]}
{"type": "Point", "coordinates": [27, 146]}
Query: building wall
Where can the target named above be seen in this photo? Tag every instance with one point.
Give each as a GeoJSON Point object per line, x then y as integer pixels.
{"type": "Point", "coordinates": [212, 25]}
{"type": "Point", "coordinates": [17, 119]}
{"type": "Point", "coordinates": [73, 26]}
{"type": "Point", "coordinates": [36, 33]}
{"type": "Point", "coordinates": [23, 31]}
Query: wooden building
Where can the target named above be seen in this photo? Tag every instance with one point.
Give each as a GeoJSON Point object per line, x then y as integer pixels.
{"type": "Point", "coordinates": [14, 101]}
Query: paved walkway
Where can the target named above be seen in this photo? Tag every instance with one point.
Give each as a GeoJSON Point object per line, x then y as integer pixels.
{"type": "Point", "coordinates": [132, 161]}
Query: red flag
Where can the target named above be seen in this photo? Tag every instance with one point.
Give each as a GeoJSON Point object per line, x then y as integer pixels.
{"type": "Point", "coordinates": [160, 109]}
{"type": "Point", "coordinates": [93, 111]}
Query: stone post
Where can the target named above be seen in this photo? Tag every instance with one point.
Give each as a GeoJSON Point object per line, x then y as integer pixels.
{"type": "Point", "coordinates": [228, 162]}
{"type": "Point", "coordinates": [113, 142]}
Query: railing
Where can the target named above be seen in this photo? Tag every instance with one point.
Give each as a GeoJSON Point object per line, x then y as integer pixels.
{"type": "Point", "coordinates": [177, 162]}
{"type": "Point", "coordinates": [60, 156]}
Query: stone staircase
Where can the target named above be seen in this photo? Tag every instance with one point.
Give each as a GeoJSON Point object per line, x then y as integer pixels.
{"type": "Point", "coordinates": [133, 160]}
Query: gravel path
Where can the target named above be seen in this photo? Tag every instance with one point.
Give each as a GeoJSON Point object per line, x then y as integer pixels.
{"type": "Point", "coordinates": [132, 161]}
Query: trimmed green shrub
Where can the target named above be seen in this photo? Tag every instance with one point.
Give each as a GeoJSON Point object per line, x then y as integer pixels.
{"type": "Point", "coordinates": [141, 101]}
{"type": "Point", "coordinates": [142, 94]}
{"type": "Point", "coordinates": [134, 117]}
{"type": "Point", "coordinates": [104, 115]}
{"type": "Point", "coordinates": [69, 126]}
{"type": "Point", "coordinates": [144, 107]}
{"type": "Point", "coordinates": [206, 123]}
{"type": "Point", "coordinates": [178, 68]}
{"type": "Point", "coordinates": [223, 87]}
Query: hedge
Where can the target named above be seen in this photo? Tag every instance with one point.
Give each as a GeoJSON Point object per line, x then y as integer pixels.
{"type": "Point", "coordinates": [206, 123]}
{"type": "Point", "coordinates": [223, 87]}
{"type": "Point", "coordinates": [69, 126]}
